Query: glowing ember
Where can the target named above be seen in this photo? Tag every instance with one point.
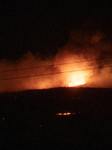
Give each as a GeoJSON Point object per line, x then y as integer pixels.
{"type": "Point", "coordinates": [59, 114]}
{"type": "Point", "coordinates": [65, 114]}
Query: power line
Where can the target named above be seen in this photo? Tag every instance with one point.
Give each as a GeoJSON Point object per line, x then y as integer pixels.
{"type": "Point", "coordinates": [55, 65]}
{"type": "Point", "coordinates": [54, 73]}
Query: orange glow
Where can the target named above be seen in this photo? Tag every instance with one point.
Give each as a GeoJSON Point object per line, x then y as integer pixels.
{"type": "Point", "coordinates": [59, 114]}
{"type": "Point", "coordinates": [68, 113]}
{"type": "Point", "coordinates": [65, 114]}
{"type": "Point", "coordinates": [78, 63]}
{"type": "Point", "coordinates": [77, 81]}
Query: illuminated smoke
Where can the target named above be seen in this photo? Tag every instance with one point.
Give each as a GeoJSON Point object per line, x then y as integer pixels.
{"type": "Point", "coordinates": [89, 53]}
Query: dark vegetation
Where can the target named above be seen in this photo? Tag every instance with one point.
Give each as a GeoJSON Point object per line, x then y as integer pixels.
{"type": "Point", "coordinates": [28, 119]}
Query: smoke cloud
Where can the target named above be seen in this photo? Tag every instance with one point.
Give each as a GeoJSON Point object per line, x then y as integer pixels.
{"type": "Point", "coordinates": [86, 60]}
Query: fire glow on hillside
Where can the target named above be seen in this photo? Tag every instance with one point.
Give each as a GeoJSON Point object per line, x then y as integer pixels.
{"type": "Point", "coordinates": [77, 80]}
{"type": "Point", "coordinates": [83, 61]}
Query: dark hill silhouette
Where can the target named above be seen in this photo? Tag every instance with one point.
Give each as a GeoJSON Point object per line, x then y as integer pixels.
{"type": "Point", "coordinates": [28, 119]}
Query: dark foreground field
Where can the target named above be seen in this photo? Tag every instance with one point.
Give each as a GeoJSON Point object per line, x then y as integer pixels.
{"type": "Point", "coordinates": [28, 119]}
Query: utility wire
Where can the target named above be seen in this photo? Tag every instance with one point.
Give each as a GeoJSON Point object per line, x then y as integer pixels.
{"type": "Point", "coordinates": [55, 65]}
{"type": "Point", "coordinates": [53, 73]}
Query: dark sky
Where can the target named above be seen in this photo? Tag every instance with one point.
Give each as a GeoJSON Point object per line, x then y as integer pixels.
{"type": "Point", "coordinates": [43, 26]}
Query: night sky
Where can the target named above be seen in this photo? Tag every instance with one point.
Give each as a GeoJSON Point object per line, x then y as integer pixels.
{"type": "Point", "coordinates": [43, 26]}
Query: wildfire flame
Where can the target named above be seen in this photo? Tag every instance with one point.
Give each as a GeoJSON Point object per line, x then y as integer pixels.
{"type": "Point", "coordinates": [74, 65]}
{"type": "Point", "coordinates": [76, 82]}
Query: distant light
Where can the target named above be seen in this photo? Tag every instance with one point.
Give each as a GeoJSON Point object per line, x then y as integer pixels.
{"type": "Point", "coordinates": [68, 113]}
{"type": "Point", "coordinates": [65, 114]}
{"type": "Point", "coordinates": [73, 113]}
{"type": "Point", "coordinates": [59, 114]}
{"type": "Point", "coordinates": [3, 118]}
